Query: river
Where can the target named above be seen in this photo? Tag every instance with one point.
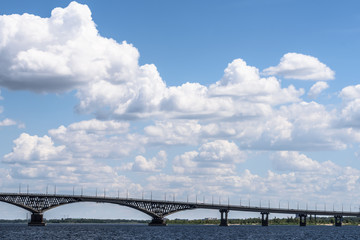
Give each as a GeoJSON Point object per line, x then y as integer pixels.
{"type": "Point", "coordinates": [144, 232]}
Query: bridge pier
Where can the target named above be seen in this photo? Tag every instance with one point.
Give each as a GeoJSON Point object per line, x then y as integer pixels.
{"type": "Point", "coordinates": [157, 221]}
{"type": "Point", "coordinates": [224, 217]}
{"type": "Point", "coordinates": [302, 217]}
{"type": "Point", "coordinates": [338, 220]}
{"type": "Point", "coordinates": [36, 220]}
{"type": "Point", "coordinates": [264, 219]}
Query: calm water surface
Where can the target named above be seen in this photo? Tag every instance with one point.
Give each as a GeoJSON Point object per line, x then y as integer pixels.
{"type": "Point", "coordinates": [119, 231]}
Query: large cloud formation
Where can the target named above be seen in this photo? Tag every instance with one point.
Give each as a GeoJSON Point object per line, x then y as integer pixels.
{"type": "Point", "coordinates": [62, 52]}
{"type": "Point", "coordinates": [201, 134]}
{"type": "Point", "coordinates": [66, 52]}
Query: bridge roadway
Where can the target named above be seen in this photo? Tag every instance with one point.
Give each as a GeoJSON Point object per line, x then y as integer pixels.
{"type": "Point", "coordinates": [37, 204]}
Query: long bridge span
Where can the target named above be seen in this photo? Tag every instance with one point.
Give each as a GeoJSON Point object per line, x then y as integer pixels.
{"type": "Point", "coordinates": [37, 204]}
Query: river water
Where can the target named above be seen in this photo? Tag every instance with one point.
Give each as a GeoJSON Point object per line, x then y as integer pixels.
{"type": "Point", "coordinates": [144, 232]}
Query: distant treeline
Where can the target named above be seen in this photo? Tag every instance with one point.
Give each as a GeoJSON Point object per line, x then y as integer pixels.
{"type": "Point", "coordinates": [275, 221]}
{"type": "Point", "coordinates": [248, 221]}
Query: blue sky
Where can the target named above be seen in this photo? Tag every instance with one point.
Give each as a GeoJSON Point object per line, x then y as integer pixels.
{"type": "Point", "coordinates": [241, 99]}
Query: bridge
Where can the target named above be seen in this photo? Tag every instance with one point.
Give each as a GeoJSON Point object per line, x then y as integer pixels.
{"type": "Point", "coordinates": [37, 204]}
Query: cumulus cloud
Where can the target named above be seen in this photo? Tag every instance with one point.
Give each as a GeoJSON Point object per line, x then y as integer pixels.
{"type": "Point", "coordinates": [7, 122]}
{"type": "Point", "coordinates": [100, 127]}
{"type": "Point", "coordinates": [42, 160]}
{"type": "Point", "coordinates": [320, 181]}
{"type": "Point", "coordinates": [294, 161]}
{"type": "Point", "coordinates": [298, 126]}
{"type": "Point", "coordinates": [67, 53]}
{"type": "Point", "coordinates": [75, 154]}
{"type": "Point", "coordinates": [302, 67]}
{"type": "Point", "coordinates": [62, 52]}
{"type": "Point", "coordinates": [174, 132]}
{"type": "Point", "coordinates": [350, 92]}
{"type": "Point", "coordinates": [241, 92]}
{"type": "Point", "coordinates": [243, 82]}
{"type": "Point", "coordinates": [350, 113]}
{"type": "Point", "coordinates": [98, 139]}
{"type": "Point", "coordinates": [136, 97]}
{"type": "Point", "coordinates": [317, 88]}
{"type": "Point", "coordinates": [217, 157]}
{"type": "Point", "coordinates": [33, 148]}
{"type": "Point", "coordinates": [155, 164]}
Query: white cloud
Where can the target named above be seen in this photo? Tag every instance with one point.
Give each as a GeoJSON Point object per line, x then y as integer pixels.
{"type": "Point", "coordinates": [174, 132]}
{"type": "Point", "coordinates": [191, 99]}
{"type": "Point", "coordinates": [7, 122]}
{"type": "Point", "coordinates": [298, 126]}
{"type": "Point", "coordinates": [100, 127]}
{"type": "Point", "coordinates": [350, 113]}
{"type": "Point", "coordinates": [350, 92]}
{"type": "Point", "coordinates": [312, 127]}
{"type": "Point", "coordinates": [241, 92]}
{"type": "Point", "coordinates": [67, 53]}
{"type": "Point", "coordinates": [62, 52]}
{"type": "Point", "coordinates": [134, 97]}
{"type": "Point", "coordinates": [243, 83]}
{"type": "Point", "coordinates": [98, 139]}
{"type": "Point", "coordinates": [217, 157]}
{"type": "Point", "coordinates": [317, 88]}
{"type": "Point", "coordinates": [294, 161]}
{"type": "Point", "coordinates": [75, 154]}
{"type": "Point", "coordinates": [41, 161]}
{"type": "Point", "coordinates": [323, 182]}
{"type": "Point", "coordinates": [33, 149]}
{"type": "Point", "coordinates": [302, 67]}
{"type": "Point", "coordinates": [154, 164]}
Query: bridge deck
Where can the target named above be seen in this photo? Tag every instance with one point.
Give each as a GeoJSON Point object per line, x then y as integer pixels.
{"type": "Point", "coordinates": [188, 205]}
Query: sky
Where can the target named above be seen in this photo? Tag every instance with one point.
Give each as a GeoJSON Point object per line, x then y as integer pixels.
{"type": "Point", "coordinates": [241, 101]}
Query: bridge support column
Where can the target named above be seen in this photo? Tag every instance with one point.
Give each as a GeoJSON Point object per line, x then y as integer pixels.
{"type": "Point", "coordinates": [264, 219]}
{"type": "Point", "coordinates": [36, 220]}
{"type": "Point", "coordinates": [302, 217]}
{"type": "Point", "coordinates": [338, 220]}
{"type": "Point", "coordinates": [157, 221]}
{"type": "Point", "coordinates": [224, 217]}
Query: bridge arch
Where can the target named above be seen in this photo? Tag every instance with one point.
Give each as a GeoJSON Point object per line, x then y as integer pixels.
{"type": "Point", "coordinates": [37, 204]}
{"type": "Point", "coordinates": [105, 202]}
{"type": "Point", "coordinates": [95, 210]}
{"type": "Point", "coordinates": [21, 204]}
{"type": "Point", "coordinates": [27, 208]}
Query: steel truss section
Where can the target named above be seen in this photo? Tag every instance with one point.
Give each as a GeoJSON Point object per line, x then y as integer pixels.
{"type": "Point", "coordinates": [158, 209]}
{"type": "Point", "coordinates": [37, 203]}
